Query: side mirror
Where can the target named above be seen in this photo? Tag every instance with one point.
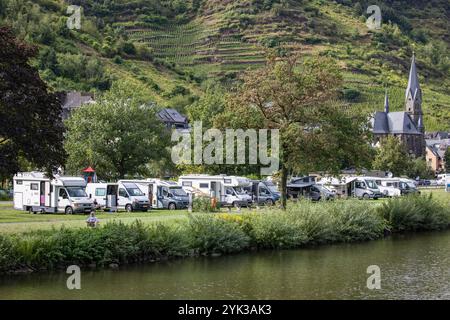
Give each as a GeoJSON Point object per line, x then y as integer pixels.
{"type": "Point", "coordinates": [170, 195]}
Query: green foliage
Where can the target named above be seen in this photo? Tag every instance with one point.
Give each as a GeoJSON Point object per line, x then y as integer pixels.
{"type": "Point", "coordinates": [212, 235]}
{"type": "Point", "coordinates": [415, 213]}
{"type": "Point", "coordinates": [392, 156]}
{"type": "Point", "coordinates": [119, 135]}
{"type": "Point", "coordinates": [302, 224]}
{"type": "Point", "coordinates": [203, 204]}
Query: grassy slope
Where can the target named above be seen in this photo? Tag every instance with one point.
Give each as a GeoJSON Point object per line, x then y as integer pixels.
{"type": "Point", "coordinates": [226, 37]}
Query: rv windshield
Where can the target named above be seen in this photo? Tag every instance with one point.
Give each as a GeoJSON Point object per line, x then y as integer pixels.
{"type": "Point", "coordinates": [272, 187]}
{"type": "Point", "coordinates": [178, 192]}
{"type": "Point", "coordinates": [372, 184]}
{"type": "Point", "coordinates": [239, 190]}
{"type": "Point", "coordinates": [76, 192]}
{"type": "Point", "coordinates": [133, 190]}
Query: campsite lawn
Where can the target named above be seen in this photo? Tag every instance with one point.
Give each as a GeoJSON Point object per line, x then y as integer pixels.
{"type": "Point", "coordinates": [13, 221]}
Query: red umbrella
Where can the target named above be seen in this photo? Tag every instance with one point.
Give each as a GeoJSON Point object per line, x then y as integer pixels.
{"type": "Point", "coordinates": [89, 169]}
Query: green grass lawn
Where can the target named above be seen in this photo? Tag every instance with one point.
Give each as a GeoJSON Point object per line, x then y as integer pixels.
{"type": "Point", "coordinates": [14, 221]}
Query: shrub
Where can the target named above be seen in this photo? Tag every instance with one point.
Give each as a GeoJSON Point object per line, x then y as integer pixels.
{"type": "Point", "coordinates": [274, 230]}
{"type": "Point", "coordinates": [415, 213]}
{"type": "Point", "coordinates": [212, 235]}
{"type": "Point", "coordinates": [203, 204]}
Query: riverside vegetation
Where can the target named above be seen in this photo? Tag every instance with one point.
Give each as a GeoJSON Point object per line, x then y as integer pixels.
{"type": "Point", "coordinates": [303, 224]}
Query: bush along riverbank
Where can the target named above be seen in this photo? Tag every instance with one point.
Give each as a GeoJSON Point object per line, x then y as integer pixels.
{"type": "Point", "coordinates": [303, 224]}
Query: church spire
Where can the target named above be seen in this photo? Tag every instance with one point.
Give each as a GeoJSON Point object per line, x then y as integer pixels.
{"type": "Point", "coordinates": [414, 93]}
{"type": "Point", "coordinates": [413, 84]}
{"type": "Point", "coordinates": [386, 102]}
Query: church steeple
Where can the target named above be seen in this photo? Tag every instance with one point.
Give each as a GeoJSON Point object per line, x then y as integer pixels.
{"type": "Point", "coordinates": [386, 102]}
{"type": "Point", "coordinates": [414, 93]}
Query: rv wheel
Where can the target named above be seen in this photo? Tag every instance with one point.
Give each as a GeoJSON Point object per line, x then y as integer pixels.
{"type": "Point", "coordinates": [269, 202]}
{"type": "Point", "coordinates": [69, 210]}
{"type": "Point", "coordinates": [30, 210]}
{"type": "Point", "coordinates": [128, 208]}
{"type": "Point", "coordinates": [172, 206]}
{"type": "Point", "coordinates": [366, 196]}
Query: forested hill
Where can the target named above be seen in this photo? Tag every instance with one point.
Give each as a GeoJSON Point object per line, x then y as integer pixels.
{"type": "Point", "coordinates": [178, 48]}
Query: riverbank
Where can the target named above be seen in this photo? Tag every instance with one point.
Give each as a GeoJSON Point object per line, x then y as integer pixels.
{"type": "Point", "coordinates": [303, 224]}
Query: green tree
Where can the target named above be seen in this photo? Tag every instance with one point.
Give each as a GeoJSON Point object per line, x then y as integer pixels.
{"type": "Point", "coordinates": [419, 168]}
{"type": "Point", "coordinates": [447, 160]}
{"type": "Point", "coordinates": [296, 97]}
{"type": "Point", "coordinates": [207, 107]}
{"type": "Point", "coordinates": [119, 135]}
{"type": "Point", "coordinates": [30, 116]}
{"type": "Point", "coordinates": [392, 156]}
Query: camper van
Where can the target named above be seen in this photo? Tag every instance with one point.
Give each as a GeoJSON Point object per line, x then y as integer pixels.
{"type": "Point", "coordinates": [163, 194]}
{"type": "Point", "coordinates": [408, 186]}
{"type": "Point", "coordinates": [263, 192]}
{"type": "Point", "coordinates": [389, 187]}
{"type": "Point", "coordinates": [131, 198]}
{"type": "Point", "coordinates": [297, 189]}
{"type": "Point", "coordinates": [34, 192]}
{"type": "Point", "coordinates": [104, 195]}
{"type": "Point", "coordinates": [228, 190]}
{"type": "Point", "coordinates": [363, 188]}
{"type": "Point", "coordinates": [447, 183]}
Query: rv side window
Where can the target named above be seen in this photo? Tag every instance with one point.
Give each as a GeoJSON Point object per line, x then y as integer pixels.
{"type": "Point", "coordinates": [34, 186]}
{"type": "Point", "coordinates": [122, 193]}
{"type": "Point", "coordinates": [62, 193]}
{"type": "Point", "coordinates": [100, 192]}
{"type": "Point", "coordinates": [264, 191]}
{"type": "Point", "coordinates": [165, 192]}
{"type": "Point", "coordinates": [204, 185]}
{"type": "Point", "coordinates": [187, 183]}
{"type": "Point", "coordinates": [19, 182]}
{"type": "Point", "coordinates": [229, 191]}
{"type": "Point", "coordinates": [227, 181]}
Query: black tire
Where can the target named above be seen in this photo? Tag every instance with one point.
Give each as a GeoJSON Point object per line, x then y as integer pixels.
{"type": "Point", "coordinates": [30, 210]}
{"type": "Point", "coordinates": [236, 204]}
{"type": "Point", "coordinates": [269, 202]}
{"type": "Point", "coordinates": [68, 210]}
{"type": "Point", "coordinates": [172, 206]}
{"type": "Point", "coordinates": [144, 210]}
{"type": "Point", "coordinates": [129, 208]}
{"type": "Point", "coordinates": [366, 196]}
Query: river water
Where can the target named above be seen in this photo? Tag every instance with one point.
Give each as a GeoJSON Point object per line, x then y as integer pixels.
{"type": "Point", "coordinates": [412, 267]}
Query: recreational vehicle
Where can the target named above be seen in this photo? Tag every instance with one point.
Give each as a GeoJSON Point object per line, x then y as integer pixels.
{"type": "Point", "coordinates": [389, 187]}
{"type": "Point", "coordinates": [447, 183]}
{"type": "Point", "coordinates": [263, 192]}
{"type": "Point", "coordinates": [228, 190]}
{"type": "Point", "coordinates": [298, 189]}
{"type": "Point", "coordinates": [131, 198]}
{"type": "Point", "coordinates": [408, 186]}
{"type": "Point", "coordinates": [363, 188]}
{"type": "Point", "coordinates": [163, 194]}
{"type": "Point", "coordinates": [35, 192]}
{"type": "Point", "coordinates": [104, 195]}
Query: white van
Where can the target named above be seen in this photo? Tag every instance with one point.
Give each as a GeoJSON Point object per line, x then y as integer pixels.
{"type": "Point", "coordinates": [131, 197]}
{"type": "Point", "coordinates": [104, 195]}
{"type": "Point", "coordinates": [389, 187]}
{"type": "Point", "coordinates": [447, 183]}
{"type": "Point", "coordinates": [228, 190]}
{"type": "Point", "coordinates": [34, 192]}
{"type": "Point", "coordinates": [363, 188]}
{"type": "Point", "coordinates": [164, 194]}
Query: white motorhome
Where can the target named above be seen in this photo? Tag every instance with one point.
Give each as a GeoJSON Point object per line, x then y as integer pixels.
{"type": "Point", "coordinates": [131, 197]}
{"type": "Point", "coordinates": [363, 188]}
{"type": "Point", "coordinates": [228, 190]}
{"type": "Point", "coordinates": [389, 187]}
{"type": "Point", "coordinates": [35, 192]}
{"type": "Point", "coordinates": [447, 183]}
{"type": "Point", "coordinates": [163, 194]}
{"type": "Point", "coordinates": [104, 195]}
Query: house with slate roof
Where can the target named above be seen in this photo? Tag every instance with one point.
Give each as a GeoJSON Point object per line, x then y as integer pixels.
{"type": "Point", "coordinates": [173, 119]}
{"type": "Point", "coordinates": [407, 125]}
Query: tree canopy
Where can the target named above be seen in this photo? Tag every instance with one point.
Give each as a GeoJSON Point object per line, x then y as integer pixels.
{"type": "Point", "coordinates": [298, 98]}
{"type": "Point", "coordinates": [30, 115]}
{"type": "Point", "coordinates": [119, 135]}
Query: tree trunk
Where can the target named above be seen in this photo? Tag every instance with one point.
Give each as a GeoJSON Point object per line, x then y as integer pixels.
{"type": "Point", "coordinates": [284, 174]}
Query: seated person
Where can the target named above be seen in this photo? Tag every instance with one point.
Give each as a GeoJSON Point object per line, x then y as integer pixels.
{"type": "Point", "coordinates": [92, 221]}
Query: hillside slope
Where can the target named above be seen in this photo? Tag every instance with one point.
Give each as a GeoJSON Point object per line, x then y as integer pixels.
{"type": "Point", "coordinates": [178, 48]}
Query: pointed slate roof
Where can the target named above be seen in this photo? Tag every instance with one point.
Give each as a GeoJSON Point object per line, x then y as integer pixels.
{"type": "Point", "coordinates": [413, 82]}
{"type": "Point", "coordinates": [394, 123]}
